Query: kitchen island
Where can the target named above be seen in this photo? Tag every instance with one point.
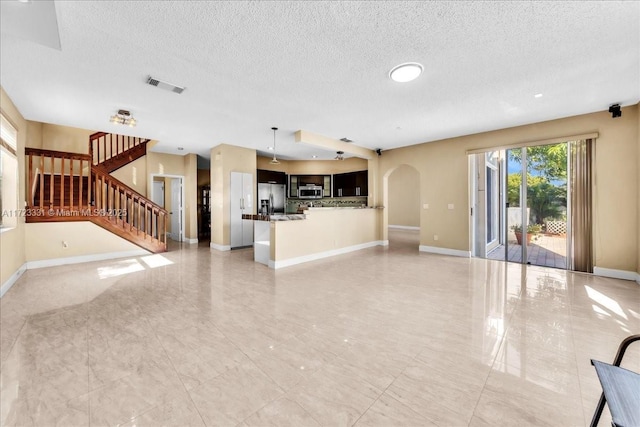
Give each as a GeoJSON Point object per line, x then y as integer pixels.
{"type": "Point", "coordinates": [320, 233]}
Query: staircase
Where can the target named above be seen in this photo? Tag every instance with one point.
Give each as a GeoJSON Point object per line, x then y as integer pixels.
{"type": "Point", "coordinates": [78, 187]}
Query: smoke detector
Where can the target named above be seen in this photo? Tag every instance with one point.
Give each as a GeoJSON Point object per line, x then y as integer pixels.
{"type": "Point", "coordinates": [164, 85]}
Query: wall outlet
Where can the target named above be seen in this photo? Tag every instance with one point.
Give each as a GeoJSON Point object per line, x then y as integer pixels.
{"type": "Point", "coordinates": [425, 206]}
{"type": "Point", "coordinates": [450, 206]}
{"type": "Point", "coordinates": [435, 237]}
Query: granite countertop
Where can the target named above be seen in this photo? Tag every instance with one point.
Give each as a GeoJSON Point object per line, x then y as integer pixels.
{"type": "Point", "coordinates": [275, 217]}
{"type": "Point", "coordinates": [288, 217]}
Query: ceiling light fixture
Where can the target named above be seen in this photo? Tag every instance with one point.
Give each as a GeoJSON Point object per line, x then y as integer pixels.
{"type": "Point", "coordinates": [537, 95]}
{"type": "Point", "coordinates": [339, 155]}
{"type": "Point", "coordinates": [123, 117]}
{"type": "Point", "coordinates": [406, 72]}
{"type": "Point", "coordinates": [274, 161]}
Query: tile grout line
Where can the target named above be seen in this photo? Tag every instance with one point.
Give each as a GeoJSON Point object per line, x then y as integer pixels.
{"type": "Point", "coordinates": [504, 342]}
{"type": "Point", "coordinates": [413, 359]}
{"type": "Point", "coordinates": [155, 333]}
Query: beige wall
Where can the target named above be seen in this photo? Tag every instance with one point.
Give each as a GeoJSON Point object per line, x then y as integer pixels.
{"type": "Point", "coordinates": [65, 138]}
{"type": "Point", "coordinates": [404, 197]}
{"type": "Point", "coordinates": [444, 179]}
{"type": "Point", "coordinates": [638, 174]}
{"type": "Point", "coordinates": [224, 160]}
{"type": "Point", "coordinates": [185, 166]}
{"type": "Point", "coordinates": [134, 175]}
{"type": "Point", "coordinates": [44, 240]}
{"type": "Point", "coordinates": [313, 167]}
{"type": "Point", "coordinates": [191, 196]}
{"type": "Point", "coordinates": [12, 241]}
{"type": "Point", "coordinates": [34, 134]}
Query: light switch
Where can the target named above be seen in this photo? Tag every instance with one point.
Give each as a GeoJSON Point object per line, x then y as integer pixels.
{"type": "Point", "coordinates": [425, 206]}
{"type": "Point", "coordinates": [450, 205]}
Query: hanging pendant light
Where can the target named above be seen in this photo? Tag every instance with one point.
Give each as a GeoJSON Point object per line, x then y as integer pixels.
{"type": "Point", "coordinates": [274, 161]}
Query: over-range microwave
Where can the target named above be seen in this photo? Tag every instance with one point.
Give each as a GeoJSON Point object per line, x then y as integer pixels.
{"type": "Point", "coordinates": [310, 192]}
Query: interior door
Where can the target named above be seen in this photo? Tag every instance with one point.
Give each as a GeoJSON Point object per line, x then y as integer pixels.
{"type": "Point", "coordinates": [177, 209]}
{"type": "Point", "coordinates": [158, 193]}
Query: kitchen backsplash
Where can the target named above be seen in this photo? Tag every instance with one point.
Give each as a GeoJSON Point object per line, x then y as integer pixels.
{"type": "Point", "coordinates": [327, 202]}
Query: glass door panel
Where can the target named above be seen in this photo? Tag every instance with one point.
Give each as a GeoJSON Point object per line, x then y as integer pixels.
{"type": "Point", "coordinates": [514, 206]}
{"type": "Point", "coordinates": [547, 205]}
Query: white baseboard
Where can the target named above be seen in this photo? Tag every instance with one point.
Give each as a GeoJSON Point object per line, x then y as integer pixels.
{"type": "Point", "coordinates": [445, 251]}
{"type": "Point", "coordinates": [616, 274]}
{"type": "Point", "coordinates": [313, 257]}
{"type": "Point", "coordinates": [384, 242]}
{"type": "Point", "coordinates": [404, 227]}
{"type": "Point", "coordinates": [190, 241]}
{"type": "Point", "coordinates": [84, 258]}
{"type": "Point", "coordinates": [219, 247]}
{"type": "Point", "coordinates": [13, 279]}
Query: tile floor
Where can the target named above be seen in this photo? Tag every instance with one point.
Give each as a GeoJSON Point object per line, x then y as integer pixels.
{"type": "Point", "coordinates": [379, 337]}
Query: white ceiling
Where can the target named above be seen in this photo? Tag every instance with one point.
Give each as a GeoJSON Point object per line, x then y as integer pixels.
{"type": "Point", "coordinates": [323, 67]}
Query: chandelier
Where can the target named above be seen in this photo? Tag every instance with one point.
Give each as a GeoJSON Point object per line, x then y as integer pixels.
{"type": "Point", "coordinates": [123, 117]}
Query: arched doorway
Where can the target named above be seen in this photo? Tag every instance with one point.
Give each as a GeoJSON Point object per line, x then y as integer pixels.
{"type": "Point", "coordinates": [401, 194]}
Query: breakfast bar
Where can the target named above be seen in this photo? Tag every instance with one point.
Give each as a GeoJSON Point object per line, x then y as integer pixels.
{"type": "Point", "coordinates": [319, 233]}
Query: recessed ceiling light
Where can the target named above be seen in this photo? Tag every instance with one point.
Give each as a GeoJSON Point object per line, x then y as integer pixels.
{"type": "Point", "coordinates": [180, 148]}
{"type": "Point", "coordinates": [314, 156]}
{"type": "Point", "coordinates": [270, 148]}
{"type": "Point", "coordinates": [537, 95]}
{"type": "Point", "coordinates": [406, 72]}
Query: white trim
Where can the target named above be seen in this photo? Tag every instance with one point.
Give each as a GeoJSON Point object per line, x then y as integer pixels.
{"type": "Point", "coordinates": [190, 241]}
{"type": "Point", "coordinates": [182, 197]}
{"type": "Point", "coordinates": [84, 258]}
{"type": "Point", "coordinates": [615, 274]}
{"type": "Point", "coordinates": [444, 251]}
{"type": "Point", "coordinates": [638, 278]}
{"type": "Point", "coordinates": [384, 242]}
{"type": "Point", "coordinates": [313, 257]}
{"type": "Point", "coordinates": [219, 247]}
{"type": "Point", "coordinates": [404, 227]}
{"type": "Point", "coordinates": [12, 279]}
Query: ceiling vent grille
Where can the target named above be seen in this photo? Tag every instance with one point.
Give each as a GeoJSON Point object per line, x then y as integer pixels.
{"type": "Point", "coordinates": [346, 140]}
{"type": "Point", "coordinates": [164, 85]}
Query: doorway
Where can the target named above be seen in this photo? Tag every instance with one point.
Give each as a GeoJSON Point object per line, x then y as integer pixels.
{"type": "Point", "coordinates": [168, 192]}
{"type": "Point", "coordinates": [403, 213]}
{"type": "Point", "coordinates": [520, 205]}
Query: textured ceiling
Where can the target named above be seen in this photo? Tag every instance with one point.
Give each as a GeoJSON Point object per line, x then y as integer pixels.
{"type": "Point", "coordinates": [322, 67]}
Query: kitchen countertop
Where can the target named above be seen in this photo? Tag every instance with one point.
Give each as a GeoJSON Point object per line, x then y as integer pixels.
{"type": "Point", "coordinates": [275, 217]}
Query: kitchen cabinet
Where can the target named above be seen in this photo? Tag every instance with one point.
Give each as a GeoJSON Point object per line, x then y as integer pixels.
{"type": "Point", "coordinates": [351, 184]}
{"type": "Point", "coordinates": [241, 204]}
{"type": "Point", "coordinates": [296, 181]}
{"type": "Point", "coordinates": [271, 177]}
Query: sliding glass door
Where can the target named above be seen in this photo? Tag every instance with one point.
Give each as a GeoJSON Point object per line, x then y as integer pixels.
{"type": "Point", "coordinates": [521, 204]}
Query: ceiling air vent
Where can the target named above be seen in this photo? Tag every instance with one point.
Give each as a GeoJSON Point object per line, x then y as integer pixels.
{"type": "Point", "coordinates": [164, 85]}
{"type": "Point", "coordinates": [345, 140]}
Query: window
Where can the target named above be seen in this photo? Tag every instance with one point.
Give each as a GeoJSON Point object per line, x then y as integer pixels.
{"type": "Point", "coordinates": [8, 174]}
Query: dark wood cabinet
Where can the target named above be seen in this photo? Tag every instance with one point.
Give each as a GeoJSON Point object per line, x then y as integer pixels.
{"type": "Point", "coordinates": [296, 181]}
{"type": "Point", "coordinates": [351, 184]}
{"type": "Point", "coordinates": [271, 177]}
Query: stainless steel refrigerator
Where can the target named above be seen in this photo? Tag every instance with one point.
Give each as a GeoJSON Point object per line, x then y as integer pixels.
{"type": "Point", "coordinates": [271, 198]}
